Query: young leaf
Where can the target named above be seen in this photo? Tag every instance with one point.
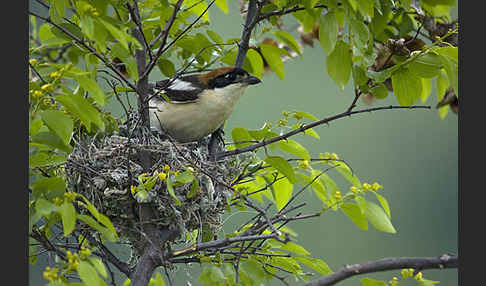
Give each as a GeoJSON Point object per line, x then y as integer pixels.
{"type": "Point", "coordinates": [241, 137]}
{"type": "Point", "coordinates": [289, 246]}
{"type": "Point", "coordinates": [328, 31]}
{"type": "Point", "coordinates": [68, 216]}
{"type": "Point", "coordinates": [426, 89]}
{"type": "Point", "coordinates": [339, 63]}
{"type": "Point", "coordinates": [288, 39]}
{"type": "Point", "coordinates": [342, 168]}
{"type": "Point", "coordinates": [282, 166]}
{"type": "Point", "coordinates": [223, 5]}
{"type": "Point", "coordinates": [87, 273]}
{"type": "Point", "coordinates": [294, 147]}
{"type": "Point", "coordinates": [379, 91]}
{"type": "Point", "coordinates": [256, 62]}
{"type": "Point", "coordinates": [378, 218]}
{"type": "Point", "coordinates": [315, 264]}
{"type": "Point", "coordinates": [96, 226]}
{"type": "Point", "coordinates": [273, 57]}
{"type": "Point", "coordinates": [59, 123]}
{"type": "Point", "coordinates": [407, 86]}
{"type": "Point", "coordinates": [166, 67]}
{"type": "Point", "coordinates": [92, 87]}
{"type": "Point", "coordinates": [282, 192]}
{"type": "Point", "coordinates": [427, 65]}
{"type": "Point", "coordinates": [82, 109]}
{"type": "Point", "coordinates": [158, 281]}
{"type": "Point", "coordinates": [170, 189]}
{"type": "Point", "coordinates": [353, 211]}
{"type": "Point", "coordinates": [99, 266]}
{"type": "Point", "coordinates": [384, 204]}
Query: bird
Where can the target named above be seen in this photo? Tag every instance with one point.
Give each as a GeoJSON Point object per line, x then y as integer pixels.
{"type": "Point", "coordinates": [197, 104]}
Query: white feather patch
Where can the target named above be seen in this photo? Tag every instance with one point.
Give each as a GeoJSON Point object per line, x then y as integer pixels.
{"type": "Point", "coordinates": [181, 85]}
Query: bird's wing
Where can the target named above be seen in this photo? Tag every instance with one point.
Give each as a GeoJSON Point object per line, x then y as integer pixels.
{"type": "Point", "coordinates": [182, 90]}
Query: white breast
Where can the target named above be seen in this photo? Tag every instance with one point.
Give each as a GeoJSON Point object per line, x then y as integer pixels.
{"type": "Point", "coordinates": [192, 121]}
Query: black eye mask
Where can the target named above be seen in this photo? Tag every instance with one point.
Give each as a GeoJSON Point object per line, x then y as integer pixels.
{"type": "Point", "coordinates": [227, 79]}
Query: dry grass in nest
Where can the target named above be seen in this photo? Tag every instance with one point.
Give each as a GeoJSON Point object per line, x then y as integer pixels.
{"type": "Point", "coordinates": [105, 169]}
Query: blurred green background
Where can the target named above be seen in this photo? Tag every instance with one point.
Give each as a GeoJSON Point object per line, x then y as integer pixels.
{"type": "Point", "coordinates": [412, 153]}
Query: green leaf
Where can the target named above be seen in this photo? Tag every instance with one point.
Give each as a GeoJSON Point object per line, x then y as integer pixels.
{"type": "Point", "coordinates": [282, 192]}
{"type": "Point", "coordinates": [214, 36]}
{"type": "Point", "coordinates": [194, 188]}
{"type": "Point", "coordinates": [353, 211]}
{"type": "Point", "coordinates": [158, 281]}
{"type": "Point", "coordinates": [344, 170]}
{"type": "Point", "coordinates": [282, 166]}
{"type": "Point", "coordinates": [166, 67]}
{"type": "Point", "coordinates": [59, 123]}
{"type": "Point", "coordinates": [379, 91]}
{"type": "Point", "coordinates": [96, 226]}
{"type": "Point", "coordinates": [82, 109]}
{"type": "Point", "coordinates": [451, 68]}
{"type": "Point", "coordinates": [68, 216]}
{"type": "Point", "coordinates": [290, 246]}
{"type": "Point", "coordinates": [372, 282]}
{"type": "Point", "coordinates": [73, 29]}
{"type": "Point", "coordinates": [45, 208]}
{"type": "Point", "coordinates": [170, 189]}
{"type": "Point", "coordinates": [254, 269]}
{"type": "Point", "coordinates": [367, 7]}
{"type": "Point", "coordinates": [328, 31]}
{"type": "Point", "coordinates": [35, 126]}
{"type": "Point", "coordinates": [272, 56]}
{"type": "Point", "coordinates": [339, 63]}
{"type": "Point", "coordinates": [99, 216]}
{"type": "Point", "coordinates": [99, 266]}
{"type": "Point", "coordinates": [315, 264]}
{"type": "Point", "coordinates": [87, 273]}
{"type": "Point", "coordinates": [384, 204]}
{"type": "Point", "coordinates": [288, 39]}
{"type": "Point", "coordinates": [223, 5]}
{"type": "Point", "coordinates": [211, 275]}
{"type": "Point", "coordinates": [407, 86]}
{"type": "Point", "coordinates": [427, 65]}
{"type": "Point", "coordinates": [361, 33]}
{"type": "Point", "coordinates": [241, 137]}
{"type": "Point", "coordinates": [184, 178]}
{"type": "Point", "coordinates": [378, 218]}
{"type": "Point", "coordinates": [44, 159]}
{"type": "Point", "coordinates": [294, 147]}
{"type": "Point", "coordinates": [305, 114]}
{"type": "Point", "coordinates": [426, 89]}
{"type": "Point", "coordinates": [122, 37]}
{"type": "Point", "coordinates": [92, 87]}
{"type": "Point", "coordinates": [256, 62]}
{"type": "Point", "coordinates": [198, 8]}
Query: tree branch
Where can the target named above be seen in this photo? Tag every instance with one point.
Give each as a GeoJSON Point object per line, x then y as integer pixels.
{"type": "Point", "coordinates": [285, 11]}
{"type": "Point", "coordinates": [417, 263]}
{"type": "Point", "coordinates": [252, 15]}
{"type": "Point", "coordinates": [311, 125]}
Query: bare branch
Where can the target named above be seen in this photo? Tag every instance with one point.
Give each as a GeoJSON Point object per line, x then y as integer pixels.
{"type": "Point", "coordinates": [417, 263]}
{"type": "Point", "coordinates": [285, 11]}
{"type": "Point", "coordinates": [251, 19]}
{"type": "Point", "coordinates": [311, 125]}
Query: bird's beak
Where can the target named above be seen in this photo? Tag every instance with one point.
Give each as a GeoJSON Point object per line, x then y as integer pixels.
{"type": "Point", "coordinates": [251, 80]}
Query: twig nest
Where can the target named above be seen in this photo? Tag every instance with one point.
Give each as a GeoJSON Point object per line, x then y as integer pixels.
{"type": "Point", "coordinates": [184, 187]}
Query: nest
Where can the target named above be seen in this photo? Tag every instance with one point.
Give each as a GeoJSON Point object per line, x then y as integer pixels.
{"type": "Point", "coordinates": [104, 169]}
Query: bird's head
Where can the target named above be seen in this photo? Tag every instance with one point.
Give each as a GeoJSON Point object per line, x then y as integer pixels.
{"type": "Point", "coordinates": [228, 76]}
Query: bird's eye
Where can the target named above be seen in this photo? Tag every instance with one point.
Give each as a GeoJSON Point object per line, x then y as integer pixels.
{"type": "Point", "coordinates": [230, 76]}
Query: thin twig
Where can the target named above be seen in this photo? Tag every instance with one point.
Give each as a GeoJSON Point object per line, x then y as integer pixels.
{"type": "Point", "coordinates": [311, 125]}
{"type": "Point", "coordinates": [418, 263]}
